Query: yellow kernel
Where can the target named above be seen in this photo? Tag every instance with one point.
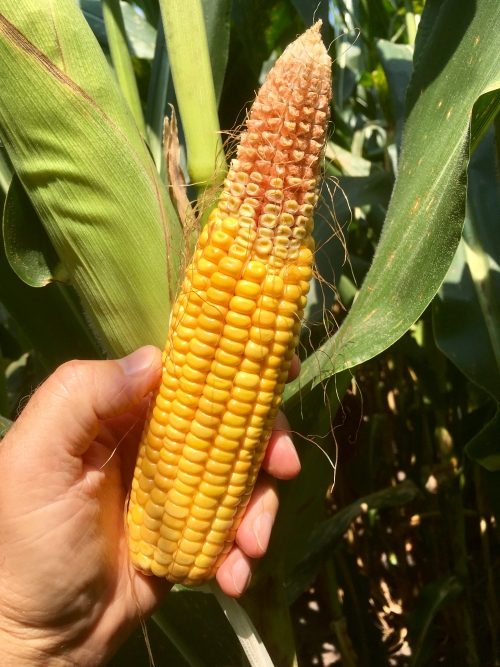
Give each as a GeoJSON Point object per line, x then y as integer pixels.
{"type": "Point", "coordinates": [209, 420]}
{"type": "Point", "coordinates": [198, 524]}
{"type": "Point", "coordinates": [234, 333]}
{"type": "Point", "coordinates": [190, 467]}
{"type": "Point", "coordinates": [208, 494]}
{"type": "Point", "coordinates": [193, 375]}
{"type": "Point", "coordinates": [250, 366]}
{"type": "Point", "coordinates": [221, 455]}
{"type": "Point", "coordinates": [292, 293]}
{"type": "Point", "coordinates": [231, 432]}
{"type": "Point", "coordinates": [231, 419]}
{"type": "Point", "coordinates": [255, 271]}
{"type": "Point", "coordinates": [247, 288]}
{"type": "Point", "coordinates": [230, 226]}
{"type": "Point", "coordinates": [244, 395]}
{"type": "Point", "coordinates": [166, 545]}
{"type": "Point", "coordinates": [210, 323]}
{"type": "Point", "coordinates": [221, 240]}
{"type": "Point", "coordinates": [174, 510]}
{"type": "Point", "coordinates": [183, 560]}
{"type": "Point", "coordinates": [179, 423]}
{"type": "Point", "coordinates": [186, 399]}
{"type": "Point", "coordinates": [148, 468]}
{"type": "Point", "coordinates": [230, 501]}
{"type": "Point", "coordinates": [259, 335]}
{"type": "Point", "coordinates": [246, 380]}
{"type": "Point", "coordinates": [204, 433]}
{"type": "Point", "coordinates": [224, 357]}
{"type": "Point", "coordinates": [231, 346]}
{"type": "Point", "coordinates": [205, 267]}
{"type": "Point", "coordinates": [157, 430]}
{"type": "Point", "coordinates": [238, 252]}
{"type": "Point", "coordinates": [145, 483]}
{"type": "Point", "coordinates": [194, 454]}
{"type": "Point", "coordinates": [223, 282]}
{"type": "Point", "coordinates": [201, 349]}
{"type": "Point", "coordinates": [204, 561]}
{"type": "Point", "coordinates": [267, 385]}
{"type": "Point", "coordinates": [285, 322]}
{"type": "Point", "coordinates": [177, 570]}
{"type": "Point", "coordinates": [223, 371]}
{"type": "Point", "coordinates": [231, 266]}
{"type": "Point", "coordinates": [210, 407]}
{"type": "Point", "coordinates": [179, 344]}
{"type": "Point", "coordinates": [163, 483]}
{"type": "Point", "coordinates": [207, 337]}
{"type": "Point", "coordinates": [215, 480]}
{"type": "Point", "coordinates": [283, 336]}
{"type": "Point", "coordinates": [219, 300]}
{"type": "Point", "coordinates": [173, 434]}
{"type": "Point", "coordinates": [202, 512]}
{"type": "Point", "coordinates": [273, 286]}
{"type": "Point", "coordinates": [267, 303]}
{"type": "Point", "coordinates": [216, 536]}
{"type": "Point", "coordinates": [178, 500]}
{"type": "Point", "coordinates": [255, 351]}
{"type": "Point", "coordinates": [215, 394]}
{"type": "Point", "coordinates": [239, 407]}
{"type": "Point", "coordinates": [238, 320]}
{"type": "Point", "coordinates": [263, 318]}
{"type": "Point", "coordinates": [213, 254]}
{"type": "Point", "coordinates": [210, 549]}
{"type": "Point", "coordinates": [218, 468]}
{"type": "Point", "coordinates": [182, 411]}
{"type": "Point", "coordinates": [197, 363]}
{"type": "Point", "coordinates": [226, 444]}
{"type": "Point", "coordinates": [158, 497]}
{"type": "Point", "coordinates": [241, 305]}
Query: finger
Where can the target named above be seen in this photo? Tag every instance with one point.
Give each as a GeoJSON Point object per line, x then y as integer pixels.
{"type": "Point", "coordinates": [294, 371]}
{"type": "Point", "coordinates": [254, 531]}
{"type": "Point", "coordinates": [68, 408]}
{"type": "Point", "coordinates": [235, 573]}
{"type": "Point", "coordinates": [281, 459]}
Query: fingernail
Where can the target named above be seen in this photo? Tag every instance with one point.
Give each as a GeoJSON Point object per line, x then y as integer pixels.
{"type": "Point", "coordinates": [291, 447]}
{"type": "Point", "coordinates": [139, 361]}
{"type": "Point", "coordinates": [241, 575]}
{"type": "Point", "coordinates": [262, 527]}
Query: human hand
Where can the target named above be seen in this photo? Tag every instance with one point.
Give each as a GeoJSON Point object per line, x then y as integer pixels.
{"type": "Point", "coordinates": [68, 594]}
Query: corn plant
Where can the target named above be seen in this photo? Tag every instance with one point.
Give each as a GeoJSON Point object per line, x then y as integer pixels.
{"type": "Point", "coordinates": [397, 561]}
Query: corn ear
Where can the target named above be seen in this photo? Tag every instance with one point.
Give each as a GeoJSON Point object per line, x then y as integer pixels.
{"type": "Point", "coordinates": [233, 331]}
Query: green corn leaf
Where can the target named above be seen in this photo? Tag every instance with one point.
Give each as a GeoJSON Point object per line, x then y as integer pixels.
{"type": "Point", "coordinates": [466, 312]}
{"type": "Point", "coordinates": [459, 63]}
{"type": "Point", "coordinates": [140, 33]}
{"type": "Point", "coordinates": [27, 245]}
{"type": "Point", "coordinates": [82, 161]}
{"type": "Point", "coordinates": [122, 62]}
{"type": "Point", "coordinates": [397, 61]}
{"type": "Point", "coordinates": [217, 15]}
{"type": "Point", "coordinates": [192, 75]}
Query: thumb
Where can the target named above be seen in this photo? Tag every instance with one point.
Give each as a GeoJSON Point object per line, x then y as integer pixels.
{"type": "Point", "coordinates": [64, 415]}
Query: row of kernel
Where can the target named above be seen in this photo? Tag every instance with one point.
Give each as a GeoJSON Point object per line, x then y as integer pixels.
{"type": "Point", "coordinates": [230, 431]}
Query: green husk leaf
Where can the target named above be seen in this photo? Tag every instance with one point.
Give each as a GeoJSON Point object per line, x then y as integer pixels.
{"type": "Point", "coordinates": [85, 168]}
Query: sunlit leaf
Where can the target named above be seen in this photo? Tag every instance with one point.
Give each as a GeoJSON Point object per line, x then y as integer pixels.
{"type": "Point", "coordinates": [427, 210]}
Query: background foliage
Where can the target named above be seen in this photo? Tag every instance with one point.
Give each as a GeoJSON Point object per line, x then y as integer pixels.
{"type": "Point", "coordinates": [398, 564]}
